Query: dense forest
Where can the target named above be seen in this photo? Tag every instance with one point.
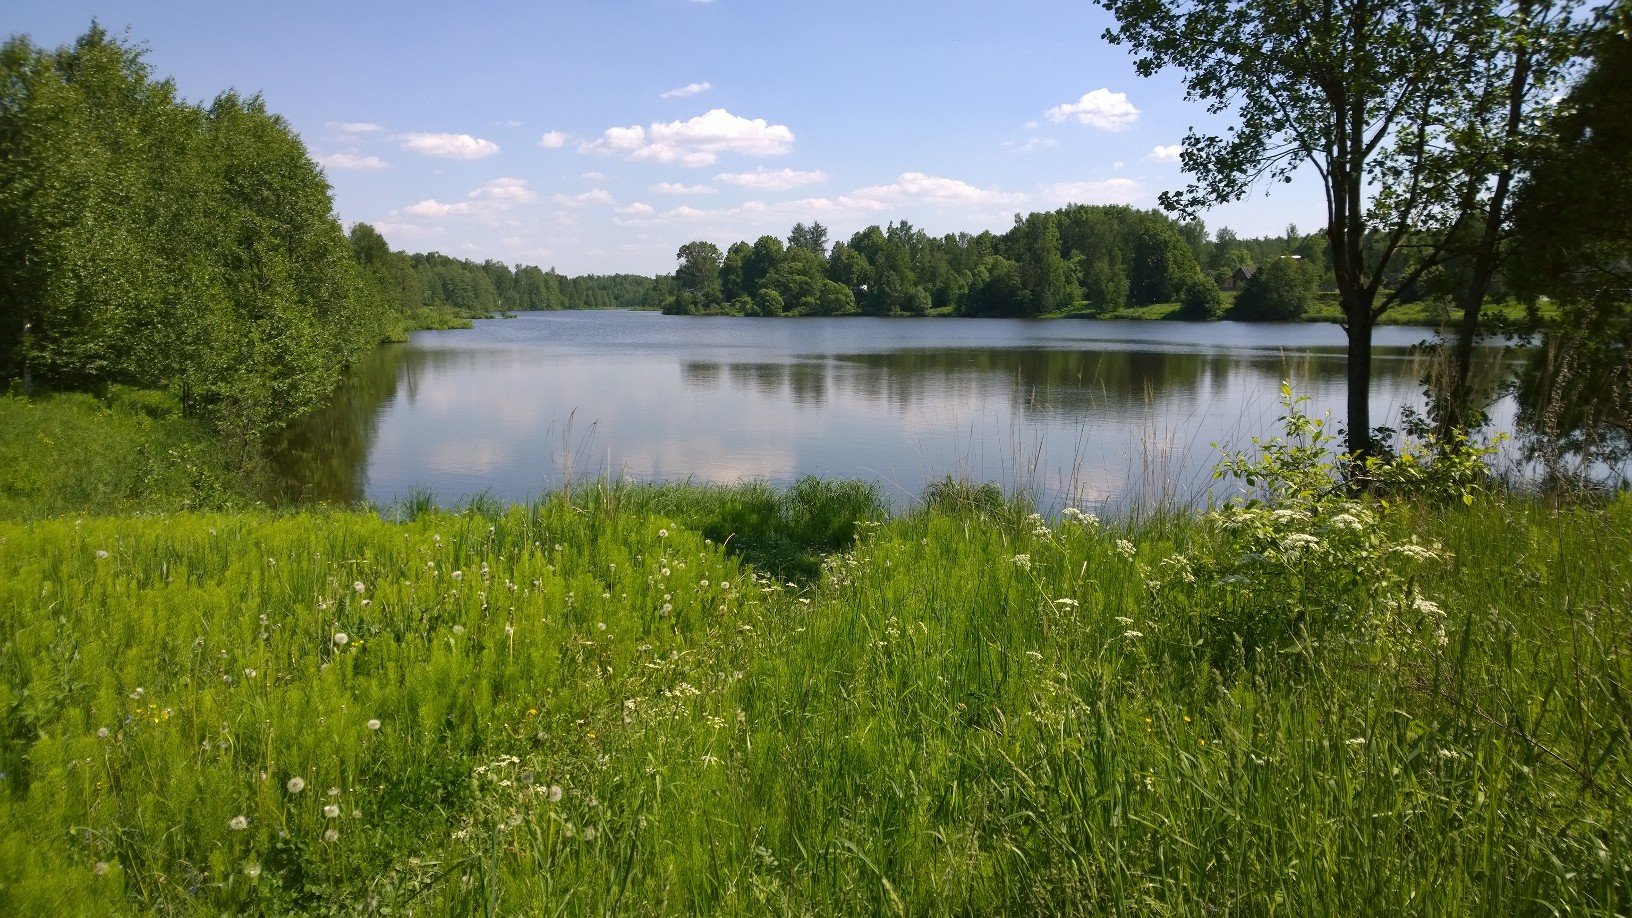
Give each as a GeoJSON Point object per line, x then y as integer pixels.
{"type": "Point", "coordinates": [1091, 260]}
{"type": "Point", "coordinates": [153, 243]}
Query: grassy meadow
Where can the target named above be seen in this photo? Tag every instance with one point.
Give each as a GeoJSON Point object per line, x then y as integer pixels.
{"type": "Point", "coordinates": [598, 705]}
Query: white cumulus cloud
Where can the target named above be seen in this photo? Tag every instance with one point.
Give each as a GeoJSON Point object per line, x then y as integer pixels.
{"type": "Point", "coordinates": [779, 180]}
{"type": "Point", "coordinates": [354, 161]}
{"type": "Point", "coordinates": [1103, 109]}
{"type": "Point", "coordinates": [353, 127]}
{"type": "Point", "coordinates": [449, 146]}
{"type": "Point", "coordinates": [553, 140]}
{"type": "Point", "coordinates": [690, 89]}
{"type": "Point", "coordinates": [636, 209]}
{"type": "Point", "coordinates": [697, 142]}
{"type": "Point", "coordinates": [1167, 154]}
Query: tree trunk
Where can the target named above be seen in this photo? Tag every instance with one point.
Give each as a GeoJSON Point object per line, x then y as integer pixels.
{"type": "Point", "coordinates": [1359, 331]}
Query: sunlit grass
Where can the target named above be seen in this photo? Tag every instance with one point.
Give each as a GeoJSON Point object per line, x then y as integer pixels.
{"type": "Point", "coordinates": [596, 708]}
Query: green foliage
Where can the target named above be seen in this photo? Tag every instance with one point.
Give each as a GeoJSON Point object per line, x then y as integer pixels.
{"type": "Point", "coordinates": [1279, 291]}
{"type": "Point", "coordinates": [1411, 112]}
{"type": "Point", "coordinates": [1302, 561]}
{"type": "Point", "coordinates": [1046, 264]}
{"type": "Point", "coordinates": [71, 453]}
{"type": "Point", "coordinates": [168, 246]}
{"type": "Point", "coordinates": [1574, 223]}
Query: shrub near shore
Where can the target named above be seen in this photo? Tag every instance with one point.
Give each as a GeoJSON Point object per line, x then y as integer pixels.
{"type": "Point", "coordinates": [590, 707]}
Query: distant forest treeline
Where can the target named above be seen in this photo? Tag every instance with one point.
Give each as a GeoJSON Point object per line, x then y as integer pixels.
{"type": "Point", "coordinates": [439, 282]}
{"type": "Point", "coordinates": [1094, 260]}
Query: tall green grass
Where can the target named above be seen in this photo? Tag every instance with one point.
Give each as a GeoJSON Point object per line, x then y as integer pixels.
{"type": "Point", "coordinates": [596, 707]}
{"type": "Point", "coordinates": [128, 451]}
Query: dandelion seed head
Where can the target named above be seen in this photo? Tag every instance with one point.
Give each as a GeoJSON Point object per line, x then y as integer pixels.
{"type": "Point", "coordinates": [341, 639]}
{"type": "Point", "coordinates": [238, 823]}
{"type": "Point", "coordinates": [331, 812]}
{"type": "Point", "coordinates": [373, 723]}
{"type": "Point", "coordinates": [101, 554]}
{"type": "Point", "coordinates": [359, 587]}
{"type": "Point", "coordinates": [296, 784]}
{"type": "Point", "coordinates": [332, 835]}
{"type": "Point", "coordinates": [554, 793]}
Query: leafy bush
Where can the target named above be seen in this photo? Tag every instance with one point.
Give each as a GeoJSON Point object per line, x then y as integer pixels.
{"type": "Point", "coordinates": [1304, 558]}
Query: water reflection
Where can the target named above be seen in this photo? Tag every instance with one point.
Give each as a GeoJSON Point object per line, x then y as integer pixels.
{"type": "Point", "coordinates": [1088, 413]}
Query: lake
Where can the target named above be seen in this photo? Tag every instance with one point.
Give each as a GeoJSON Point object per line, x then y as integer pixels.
{"type": "Point", "coordinates": [1095, 414]}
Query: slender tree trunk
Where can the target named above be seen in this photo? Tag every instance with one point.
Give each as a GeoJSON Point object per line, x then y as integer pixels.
{"type": "Point", "coordinates": [1359, 403]}
{"type": "Point", "coordinates": [1457, 414]}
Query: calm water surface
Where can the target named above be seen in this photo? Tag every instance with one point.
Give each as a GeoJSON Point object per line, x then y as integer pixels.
{"type": "Point", "coordinates": [1090, 413]}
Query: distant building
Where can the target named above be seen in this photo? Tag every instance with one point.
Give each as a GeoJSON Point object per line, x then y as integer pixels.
{"type": "Point", "coordinates": [1238, 278]}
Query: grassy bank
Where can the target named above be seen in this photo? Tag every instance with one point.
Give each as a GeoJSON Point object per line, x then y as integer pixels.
{"type": "Point", "coordinates": [130, 450]}
{"type": "Point", "coordinates": [591, 706]}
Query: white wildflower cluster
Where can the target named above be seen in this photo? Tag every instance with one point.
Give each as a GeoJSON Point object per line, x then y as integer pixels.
{"type": "Point", "coordinates": [1126, 549]}
{"type": "Point", "coordinates": [1022, 561]}
{"type": "Point", "coordinates": [1081, 517]}
{"type": "Point", "coordinates": [1039, 527]}
{"type": "Point", "coordinates": [1297, 553]}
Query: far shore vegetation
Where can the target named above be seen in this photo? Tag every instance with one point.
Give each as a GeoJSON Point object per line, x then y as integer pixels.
{"type": "Point", "coordinates": [1362, 680]}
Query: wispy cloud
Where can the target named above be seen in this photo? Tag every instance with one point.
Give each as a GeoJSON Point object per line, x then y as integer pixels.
{"type": "Point", "coordinates": [779, 180]}
{"type": "Point", "coordinates": [690, 89]}
{"type": "Point", "coordinates": [1104, 191]}
{"type": "Point", "coordinates": [487, 200]}
{"type": "Point", "coordinates": [682, 188]}
{"type": "Point", "coordinates": [354, 161]}
{"type": "Point", "coordinates": [593, 196]}
{"type": "Point", "coordinates": [352, 127]}
{"type": "Point", "coordinates": [1030, 144]}
{"type": "Point", "coordinates": [916, 187]}
{"type": "Point", "coordinates": [449, 146]}
{"type": "Point", "coordinates": [1103, 109]}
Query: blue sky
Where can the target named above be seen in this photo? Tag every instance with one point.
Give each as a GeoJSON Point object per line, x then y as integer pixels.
{"type": "Point", "coordinates": [600, 135]}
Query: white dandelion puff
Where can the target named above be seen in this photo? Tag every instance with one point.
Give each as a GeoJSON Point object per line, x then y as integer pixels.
{"type": "Point", "coordinates": [373, 723]}
{"type": "Point", "coordinates": [238, 823]}
{"type": "Point", "coordinates": [331, 812]}
{"type": "Point", "coordinates": [296, 784]}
